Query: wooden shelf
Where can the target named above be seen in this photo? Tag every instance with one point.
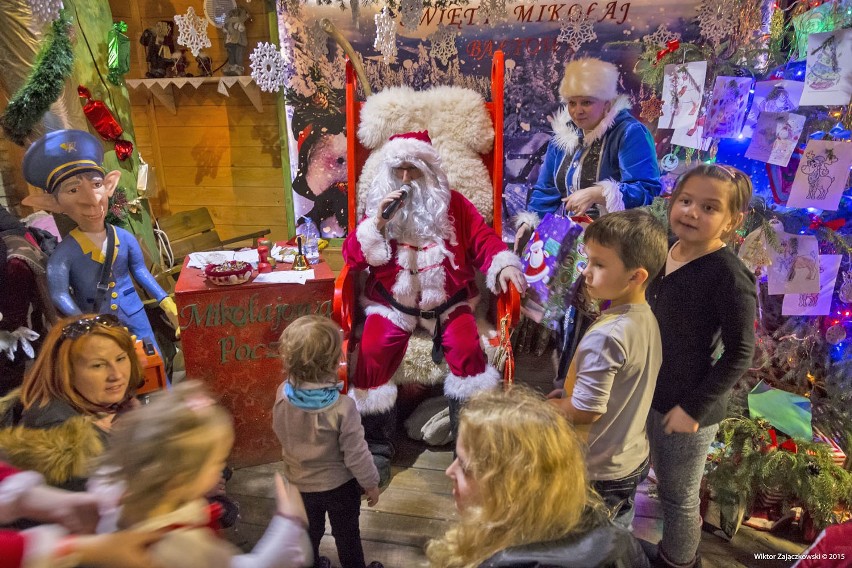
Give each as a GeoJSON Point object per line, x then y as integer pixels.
{"type": "Point", "coordinates": [163, 89]}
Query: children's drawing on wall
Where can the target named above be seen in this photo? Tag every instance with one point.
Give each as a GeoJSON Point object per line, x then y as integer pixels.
{"type": "Point", "coordinates": [683, 89]}
{"type": "Point", "coordinates": [822, 175]}
{"type": "Point", "coordinates": [728, 107]}
{"type": "Point", "coordinates": [828, 75]}
{"type": "Point", "coordinates": [795, 267]}
{"type": "Point", "coordinates": [775, 137]}
{"type": "Point", "coordinates": [319, 186]}
{"type": "Point", "coordinates": [772, 96]}
{"type": "Point", "coordinates": [692, 137]}
{"type": "Point", "coordinates": [819, 303]}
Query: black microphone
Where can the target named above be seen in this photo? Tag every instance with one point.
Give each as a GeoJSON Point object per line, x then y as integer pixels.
{"type": "Point", "coordinates": [391, 207]}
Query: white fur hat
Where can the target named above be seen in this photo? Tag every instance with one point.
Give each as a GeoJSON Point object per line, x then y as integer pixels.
{"type": "Point", "coordinates": [589, 78]}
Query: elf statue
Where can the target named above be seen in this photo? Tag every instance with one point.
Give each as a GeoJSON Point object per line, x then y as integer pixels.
{"type": "Point", "coordinates": [95, 265]}
{"type": "Point", "coordinates": [236, 40]}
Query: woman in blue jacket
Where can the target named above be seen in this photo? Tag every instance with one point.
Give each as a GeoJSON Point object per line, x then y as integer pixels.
{"type": "Point", "coordinates": [600, 158]}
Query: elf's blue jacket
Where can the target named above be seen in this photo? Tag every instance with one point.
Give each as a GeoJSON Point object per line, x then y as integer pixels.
{"type": "Point", "coordinates": [627, 170]}
{"type": "Point", "coordinates": [74, 269]}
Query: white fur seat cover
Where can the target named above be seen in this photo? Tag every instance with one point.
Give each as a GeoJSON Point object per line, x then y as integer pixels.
{"type": "Point", "coordinates": [459, 126]}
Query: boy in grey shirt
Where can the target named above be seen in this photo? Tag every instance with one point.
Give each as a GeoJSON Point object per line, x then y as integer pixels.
{"type": "Point", "coordinates": [610, 383]}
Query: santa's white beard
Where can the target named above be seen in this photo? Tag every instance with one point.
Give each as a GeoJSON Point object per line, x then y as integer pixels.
{"type": "Point", "coordinates": [423, 216]}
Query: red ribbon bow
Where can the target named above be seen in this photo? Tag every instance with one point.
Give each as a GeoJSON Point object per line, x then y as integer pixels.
{"type": "Point", "coordinates": [671, 46]}
{"type": "Point", "coordinates": [834, 224]}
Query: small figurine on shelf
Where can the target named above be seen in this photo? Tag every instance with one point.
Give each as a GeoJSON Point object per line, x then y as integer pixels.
{"type": "Point", "coordinates": [181, 63]}
{"type": "Point", "coordinates": [159, 43]}
{"type": "Point", "coordinates": [236, 40]}
{"type": "Point", "coordinates": [205, 65]}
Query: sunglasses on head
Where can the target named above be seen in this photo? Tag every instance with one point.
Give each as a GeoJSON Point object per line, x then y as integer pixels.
{"type": "Point", "coordinates": [83, 326]}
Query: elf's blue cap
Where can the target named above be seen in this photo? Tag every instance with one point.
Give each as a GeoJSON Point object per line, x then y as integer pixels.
{"type": "Point", "coordinates": [61, 154]}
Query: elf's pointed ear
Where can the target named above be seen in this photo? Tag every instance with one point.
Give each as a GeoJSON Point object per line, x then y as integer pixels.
{"type": "Point", "coordinates": [111, 181]}
{"type": "Point", "coordinates": [44, 201]}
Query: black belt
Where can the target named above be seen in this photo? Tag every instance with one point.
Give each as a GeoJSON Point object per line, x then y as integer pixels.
{"type": "Point", "coordinates": [434, 313]}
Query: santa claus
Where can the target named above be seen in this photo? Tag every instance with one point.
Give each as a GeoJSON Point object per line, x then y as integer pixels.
{"type": "Point", "coordinates": [421, 265]}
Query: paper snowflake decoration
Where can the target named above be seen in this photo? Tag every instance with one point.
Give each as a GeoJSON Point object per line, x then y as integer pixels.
{"type": "Point", "coordinates": [660, 37]}
{"type": "Point", "coordinates": [443, 42]}
{"type": "Point", "coordinates": [46, 10]}
{"type": "Point", "coordinates": [576, 31]}
{"type": "Point", "coordinates": [268, 67]}
{"type": "Point", "coordinates": [385, 40]}
{"type": "Point", "coordinates": [409, 12]}
{"type": "Point", "coordinates": [715, 20]}
{"type": "Point", "coordinates": [652, 108]}
{"type": "Point", "coordinates": [192, 31]}
{"type": "Point", "coordinates": [492, 11]}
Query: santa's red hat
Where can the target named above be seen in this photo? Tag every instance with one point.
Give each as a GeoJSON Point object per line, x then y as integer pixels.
{"type": "Point", "coordinates": [412, 145]}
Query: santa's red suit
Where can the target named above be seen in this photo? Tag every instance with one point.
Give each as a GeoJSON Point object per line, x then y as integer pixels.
{"type": "Point", "coordinates": [424, 277]}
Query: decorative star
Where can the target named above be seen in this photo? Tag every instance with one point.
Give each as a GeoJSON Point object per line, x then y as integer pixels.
{"type": "Point", "coordinates": [652, 108]}
{"type": "Point", "coordinates": [576, 30]}
{"type": "Point", "coordinates": [69, 146]}
{"type": "Point", "coordinates": [192, 31]}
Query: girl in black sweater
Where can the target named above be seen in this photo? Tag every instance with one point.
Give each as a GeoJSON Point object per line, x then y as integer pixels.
{"type": "Point", "coordinates": [704, 300]}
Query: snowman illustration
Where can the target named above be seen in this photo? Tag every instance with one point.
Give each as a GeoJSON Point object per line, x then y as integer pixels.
{"type": "Point", "coordinates": [537, 269]}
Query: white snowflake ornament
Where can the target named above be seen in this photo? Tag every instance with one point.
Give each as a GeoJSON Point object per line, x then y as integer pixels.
{"type": "Point", "coordinates": [715, 20]}
{"type": "Point", "coordinates": [385, 40]}
{"type": "Point", "coordinates": [492, 12]}
{"type": "Point", "coordinates": [46, 11]}
{"type": "Point", "coordinates": [576, 30]}
{"type": "Point", "coordinates": [192, 31]}
{"type": "Point", "coordinates": [268, 68]}
{"type": "Point", "coordinates": [661, 37]}
{"type": "Point", "coordinates": [409, 12]}
{"type": "Point", "coordinates": [443, 42]}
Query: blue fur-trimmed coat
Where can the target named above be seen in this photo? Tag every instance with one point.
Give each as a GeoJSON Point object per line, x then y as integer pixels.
{"type": "Point", "coordinates": [627, 171]}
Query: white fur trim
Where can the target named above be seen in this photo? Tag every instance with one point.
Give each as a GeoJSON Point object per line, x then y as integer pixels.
{"type": "Point", "coordinates": [41, 543]}
{"type": "Point", "coordinates": [375, 247]}
{"type": "Point", "coordinates": [566, 135]}
{"type": "Point", "coordinates": [462, 388]}
{"type": "Point", "coordinates": [531, 218]}
{"type": "Point", "coordinates": [500, 261]}
{"type": "Point", "coordinates": [589, 77]}
{"type": "Point", "coordinates": [403, 321]}
{"type": "Point", "coordinates": [375, 400]}
{"type": "Point", "coordinates": [612, 194]}
{"type": "Point", "coordinates": [401, 150]}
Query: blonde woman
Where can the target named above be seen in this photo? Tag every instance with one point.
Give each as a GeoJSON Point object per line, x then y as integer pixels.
{"type": "Point", "coordinates": [519, 483]}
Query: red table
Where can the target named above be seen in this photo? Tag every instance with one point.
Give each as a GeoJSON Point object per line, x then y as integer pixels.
{"type": "Point", "coordinates": [229, 336]}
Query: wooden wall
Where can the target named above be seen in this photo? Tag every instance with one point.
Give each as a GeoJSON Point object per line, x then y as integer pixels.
{"type": "Point", "coordinates": [218, 151]}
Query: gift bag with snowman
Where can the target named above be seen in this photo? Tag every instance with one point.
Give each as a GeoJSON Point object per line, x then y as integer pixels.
{"type": "Point", "coordinates": [550, 246]}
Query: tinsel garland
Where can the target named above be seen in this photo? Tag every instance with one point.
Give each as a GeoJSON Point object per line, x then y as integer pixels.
{"type": "Point", "coordinates": [44, 84]}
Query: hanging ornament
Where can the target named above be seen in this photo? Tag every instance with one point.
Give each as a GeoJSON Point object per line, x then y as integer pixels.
{"type": "Point", "coordinates": [716, 20]}
{"type": "Point", "coordinates": [46, 11]}
{"type": "Point", "coordinates": [492, 12]}
{"type": "Point", "coordinates": [661, 36]}
{"type": "Point", "coordinates": [835, 334]}
{"type": "Point", "coordinates": [409, 12]}
{"type": "Point", "coordinates": [105, 123]}
{"type": "Point", "coordinates": [268, 68]}
{"type": "Point", "coordinates": [754, 252]}
{"type": "Point", "coordinates": [845, 293]}
{"type": "Point", "coordinates": [385, 41]}
{"type": "Point", "coordinates": [576, 30]}
{"type": "Point", "coordinates": [669, 162]}
{"type": "Point", "coordinates": [444, 43]}
{"type": "Point", "coordinates": [192, 31]}
{"type": "Point", "coordinates": [118, 53]}
{"type": "Point", "coordinates": [652, 108]}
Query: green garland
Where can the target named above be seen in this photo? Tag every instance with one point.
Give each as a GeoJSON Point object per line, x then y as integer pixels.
{"type": "Point", "coordinates": [44, 84]}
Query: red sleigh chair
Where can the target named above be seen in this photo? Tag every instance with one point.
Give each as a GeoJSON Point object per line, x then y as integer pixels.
{"type": "Point", "coordinates": [502, 312]}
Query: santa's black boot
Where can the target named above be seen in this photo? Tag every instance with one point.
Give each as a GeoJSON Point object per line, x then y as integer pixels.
{"type": "Point", "coordinates": [378, 431]}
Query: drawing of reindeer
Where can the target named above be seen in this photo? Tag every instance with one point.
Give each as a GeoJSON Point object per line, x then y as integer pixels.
{"type": "Point", "coordinates": [818, 172]}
